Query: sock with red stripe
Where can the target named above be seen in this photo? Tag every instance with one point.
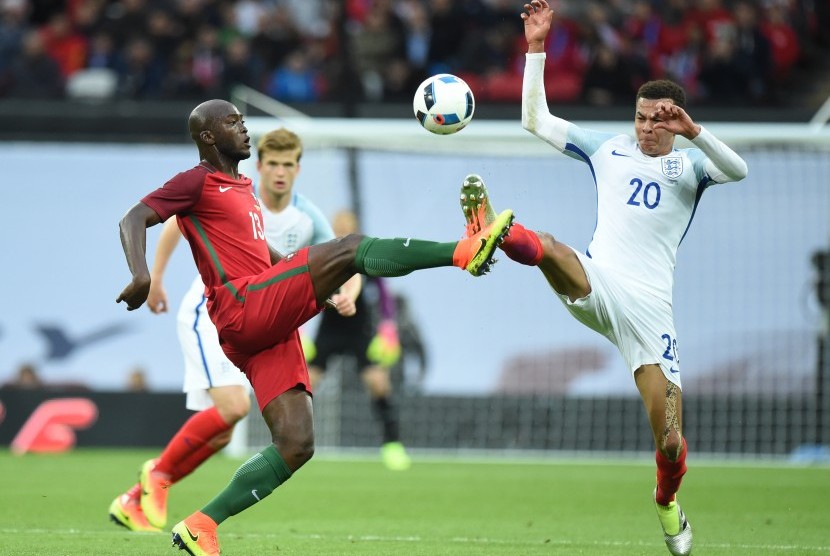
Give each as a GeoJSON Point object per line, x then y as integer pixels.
{"type": "Point", "coordinates": [186, 450]}
{"type": "Point", "coordinates": [669, 475]}
{"type": "Point", "coordinates": [522, 245]}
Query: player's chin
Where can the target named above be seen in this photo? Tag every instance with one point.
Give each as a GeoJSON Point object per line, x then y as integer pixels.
{"type": "Point", "coordinates": [244, 153]}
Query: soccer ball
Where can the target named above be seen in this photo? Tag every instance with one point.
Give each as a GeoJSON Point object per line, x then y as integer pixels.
{"type": "Point", "coordinates": [443, 104]}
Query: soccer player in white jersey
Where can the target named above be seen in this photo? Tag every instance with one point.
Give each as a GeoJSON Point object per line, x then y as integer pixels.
{"type": "Point", "coordinates": [216, 389]}
{"type": "Point", "coordinates": [621, 287]}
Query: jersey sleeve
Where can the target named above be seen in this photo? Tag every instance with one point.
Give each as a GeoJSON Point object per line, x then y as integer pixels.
{"type": "Point", "coordinates": [564, 136]}
{"type": "Point", "coordinates": [722, 163]}
{"type": "Point", "coordinates": [322, 230]}
{"type": "Point", "coordinates": [178, 195]}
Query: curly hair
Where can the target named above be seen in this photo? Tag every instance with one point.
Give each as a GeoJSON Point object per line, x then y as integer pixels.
{"type": "Point", "coordinates": [280, 140]}
{"type": "Point", "coordinates": [663, 88]}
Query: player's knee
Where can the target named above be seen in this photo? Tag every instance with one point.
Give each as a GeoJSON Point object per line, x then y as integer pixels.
{"type": "Point", "coordinates": [553, 248]}
{"type": "Point", "coordinates": [297, 448]}
{"type": "Point", "coordinates": [234, 410]}
{"type": "Point", "coordinates": [671, 446]}
{"type": "Point", "coordinates": [349, 243]}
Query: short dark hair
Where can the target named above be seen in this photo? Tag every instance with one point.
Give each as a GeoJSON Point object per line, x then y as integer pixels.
{"type": "Point", "coordinates": [663, 88]}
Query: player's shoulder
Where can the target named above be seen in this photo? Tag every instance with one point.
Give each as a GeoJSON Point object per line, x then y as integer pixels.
{"type": "Point", "coordinates": [304, 204]}
{"type": "Point", "coordinates": [192, 176]}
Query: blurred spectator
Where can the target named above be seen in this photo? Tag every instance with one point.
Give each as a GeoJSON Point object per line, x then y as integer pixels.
{"type": "Point", "coordinates": [683, 64]}
{"type": "Point", "coordinates": [247, 15]}
{"type": "Point", "coordinates": [26, 378]}
{"type": "Point", "coordinates": [607, 80]}
{"type": "Point", "coordinates": [13, 14]}
{"type": "Point", "coordinates": [374, 44]}
{"type": "Point", "coordinates": [722, 79]}
{"type": "Point", "coordinates": [277, 37]}
{"type": "Point", "coordinates": [33, 73]}
{"type": "Point", "coordinates": [140, 75]}
{"type": "Point", "coordinates": [126, 20]}
{"type": "Point", "coordinates": [63, 44]}
{"type": "Point", "coordinates": [446, 23]}
{"type": "Point", "coordinates": [241, 66]}
{"type": "Point", "coordinates": [783, 41]}
{"type": "Point", "coordinates": [137, 380]}
{"type": "Point", "coordinates": [101, 52]}
{"type": "Point", "coordinates": [207, 61]}
{"type": "Point", "coordinates": [713, 18]}
{"type": "Point", "coordinates": [165, 34]}
{"type": "Point", "coordinates": [296, 80]}
{"type": "Point", "coordinates": [752, 51]}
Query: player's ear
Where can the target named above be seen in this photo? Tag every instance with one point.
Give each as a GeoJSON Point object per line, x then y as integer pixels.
{"type": "Point", "coordinates": [207, 137]}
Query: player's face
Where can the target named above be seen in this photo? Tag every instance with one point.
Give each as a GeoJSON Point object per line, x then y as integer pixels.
{"type": "Point", "coordinates": [653, 142]}
{"type": "Point", "coordinates": [231, 135]}
{"type": "Point", "coordinates": [278, 170]}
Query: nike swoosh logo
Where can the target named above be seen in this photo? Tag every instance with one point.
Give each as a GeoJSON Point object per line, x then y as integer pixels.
{"type": "Point", "coordinates": [223, 189]}
{"type": "Point", "coordinates": [406, 243]}
{"type": "Point", "coordinates": [615, 153]}
{"type": "Point", "coordinates": [673, 370]}
{"type": "Point", "coordinates": [255, 496]}
{"type": "Point", "coordinates": [192, 538]}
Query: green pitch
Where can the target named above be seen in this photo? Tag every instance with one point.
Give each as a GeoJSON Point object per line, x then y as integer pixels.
{"type": "Point", "coordinates": [58, 505]}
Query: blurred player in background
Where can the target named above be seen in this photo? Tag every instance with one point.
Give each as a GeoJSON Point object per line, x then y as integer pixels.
{"type": "Point", "coordinates": [647, 192]}
{"type": "Point", "coordinates": [371, 339]}
{"type": "Point", "coordinates": [216, 389]}
{"type": "Point", "coordinates": [258, 298]}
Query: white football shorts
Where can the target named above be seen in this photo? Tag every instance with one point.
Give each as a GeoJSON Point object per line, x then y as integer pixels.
{"type": "Point", "coordinates": [640, 324]}
{"type": "Point", "coordinates": [205, 364]}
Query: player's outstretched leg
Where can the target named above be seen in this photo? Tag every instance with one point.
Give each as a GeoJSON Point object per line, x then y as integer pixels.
{"type": "Point", "coordinates": [196, 535]}
{"type": "Point", "coordinates": [521, 245]}
{"type": "Point", "coordinates": [677, 530]}
{"type": "Point", "coordinates": [126, 512]}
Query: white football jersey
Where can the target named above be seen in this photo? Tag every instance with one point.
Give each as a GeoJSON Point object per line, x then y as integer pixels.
{"type": "Point", "coordinates": [645, 204]}
{"type": "Point", "coordinates": [299, 225]}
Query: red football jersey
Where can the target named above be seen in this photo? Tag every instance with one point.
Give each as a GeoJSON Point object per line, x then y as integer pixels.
{"type": "Point", "coordinates": [221, 219]}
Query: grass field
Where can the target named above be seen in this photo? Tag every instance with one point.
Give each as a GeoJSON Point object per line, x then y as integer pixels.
{"type": "Point", "coordinates": [57, 505]}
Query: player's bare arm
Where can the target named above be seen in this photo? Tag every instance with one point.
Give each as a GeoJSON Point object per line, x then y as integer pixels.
{"type": "Point", "coordinates": [537, 17]}
{"type": "Point", "coordinates": [133, 228]}
{"type": "Point", "coordinates": [674, 119]}
{"type": "Point", "coordinates": [168, 240]}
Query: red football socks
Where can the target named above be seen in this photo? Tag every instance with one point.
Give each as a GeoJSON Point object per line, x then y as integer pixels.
{"type": "Point", "coordinates": [189, 447]}
{"type": "Point", "coordinates": [669, 475]}
{"type": "Point", "coordinates": [522, 245]}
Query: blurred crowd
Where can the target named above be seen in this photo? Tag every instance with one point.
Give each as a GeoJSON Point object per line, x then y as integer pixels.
{"type": "Point", "coordinates": [298, 51]}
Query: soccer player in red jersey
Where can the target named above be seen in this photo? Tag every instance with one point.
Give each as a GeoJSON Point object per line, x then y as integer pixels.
{"type": "Point", "coordinates": [258, 298]}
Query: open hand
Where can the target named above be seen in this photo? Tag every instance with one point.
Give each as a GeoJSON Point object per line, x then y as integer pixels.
{"type": "Point", "coordinates": [537, 18]}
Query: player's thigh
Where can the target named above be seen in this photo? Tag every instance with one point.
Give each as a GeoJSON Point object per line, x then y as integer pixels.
{"type": "Point", "coordinates": [276, 303]}
{"type": "Point", "coordinates": [276, 370]}
{"type": "Point", "coordinates": [563, 269]}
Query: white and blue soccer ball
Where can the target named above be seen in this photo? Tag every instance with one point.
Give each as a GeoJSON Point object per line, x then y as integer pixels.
{"type": "Point", "coordinates": [444, 104]}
